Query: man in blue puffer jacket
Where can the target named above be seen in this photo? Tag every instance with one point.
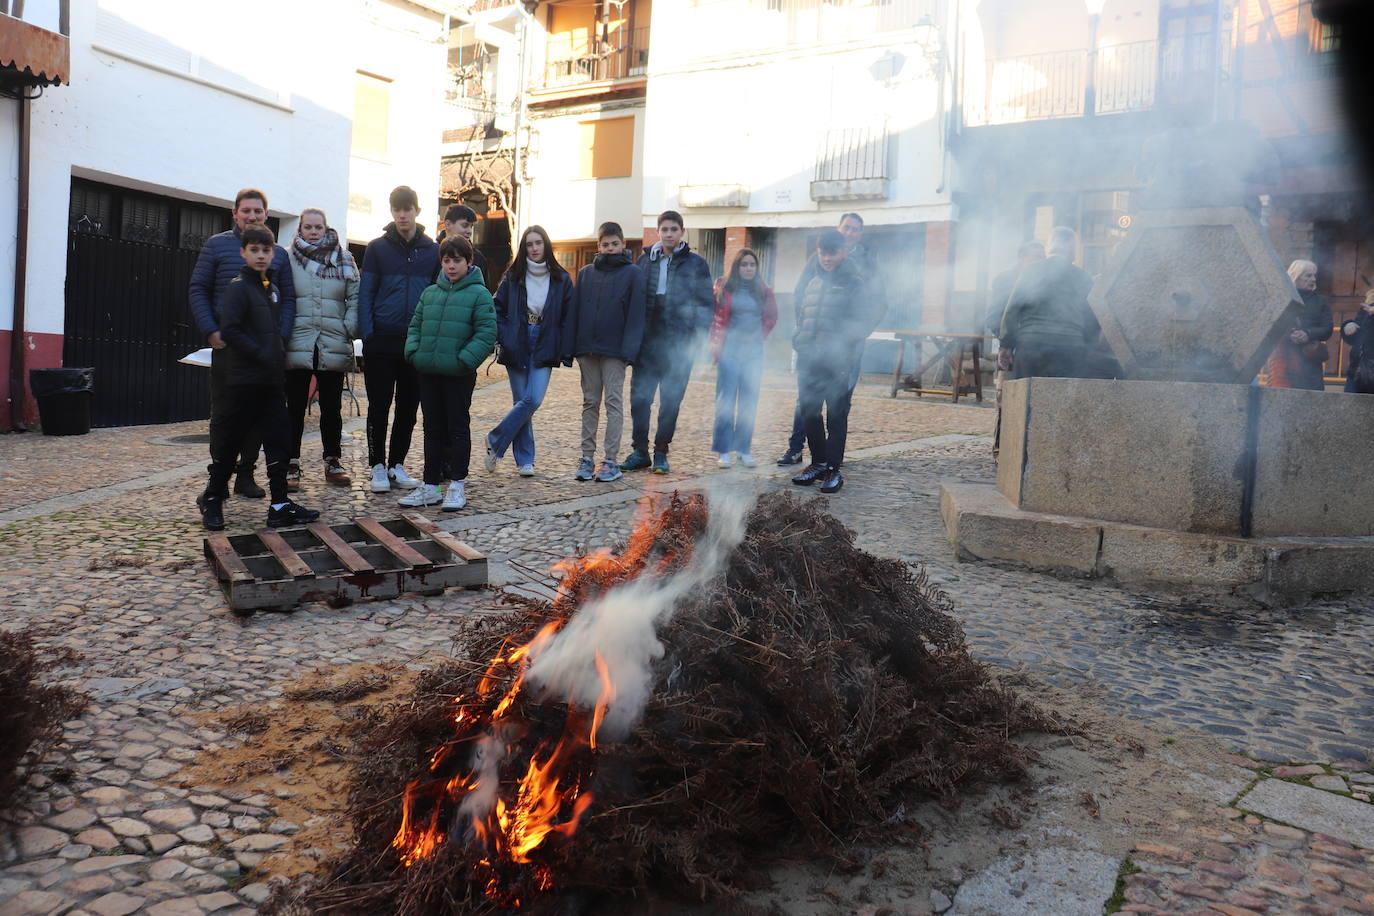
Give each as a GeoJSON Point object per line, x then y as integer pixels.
{"type": "Point", "coordinates": [220, 262]}
{"type": "Point", "coordinates": [397, 268]}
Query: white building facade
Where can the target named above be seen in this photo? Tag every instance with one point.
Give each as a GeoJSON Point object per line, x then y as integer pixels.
{"type": "Point", "coordinates": [769, 119]}
{"type": "Point", "coordinates": [170, 108]}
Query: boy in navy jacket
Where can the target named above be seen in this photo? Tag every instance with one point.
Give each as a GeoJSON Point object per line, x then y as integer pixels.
{"type": "Point", "coordinates": [253, 396]}
{"type": "Point", "coordinates": [397, 268]}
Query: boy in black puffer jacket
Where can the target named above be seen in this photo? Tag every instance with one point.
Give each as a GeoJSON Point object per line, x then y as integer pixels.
{"type": "Point", "coordinates": [254, 393]}
{"type": "Point", "coordinates": [604, 329]}
{"type": "Point", "coordinates": [832, 307]}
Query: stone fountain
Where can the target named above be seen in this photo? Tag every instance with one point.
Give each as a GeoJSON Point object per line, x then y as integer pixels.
{"type": "Point", "coordinates": [1183, 473]}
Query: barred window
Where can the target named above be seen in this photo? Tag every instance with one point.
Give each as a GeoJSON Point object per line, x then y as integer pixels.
{"type": "Point", "coordinates": [91, 210]}
{"type": "Point", "coordinates": [198, 224]}
{"type": "Point", "coordinates": [146, 219]}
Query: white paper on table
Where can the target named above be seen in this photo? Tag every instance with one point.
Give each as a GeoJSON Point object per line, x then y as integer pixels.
{"type": "Point", "coordinates": [199, 358]}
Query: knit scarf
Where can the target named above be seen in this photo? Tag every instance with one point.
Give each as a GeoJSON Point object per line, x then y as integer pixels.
{"type": "Point", "coordinates": [326, 259]}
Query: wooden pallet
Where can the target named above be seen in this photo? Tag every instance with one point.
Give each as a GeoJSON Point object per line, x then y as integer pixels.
{"type": "Point", "coordinates": [341, 563]}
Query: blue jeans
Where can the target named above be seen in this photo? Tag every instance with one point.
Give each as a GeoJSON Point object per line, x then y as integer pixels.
{"type": "Point", "coordinates": [737, 393]}
{"type": "Point", "coordinates": [527, 389]}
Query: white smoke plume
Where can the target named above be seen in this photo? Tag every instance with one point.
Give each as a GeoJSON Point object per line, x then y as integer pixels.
{"type": "Point", "coordinates": [621, 625]}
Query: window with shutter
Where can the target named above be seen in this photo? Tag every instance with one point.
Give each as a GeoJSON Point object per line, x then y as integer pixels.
{"type": "Point", "coordinates": [371, 115]}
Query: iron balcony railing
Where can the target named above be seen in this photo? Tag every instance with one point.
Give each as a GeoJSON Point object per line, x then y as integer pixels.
{"type": "Point", "coordinates": [623, 54]}
{"type": "Point", "coordinates": [852, 153]}
{"type": "Point", "coordinates": [1126, 77]}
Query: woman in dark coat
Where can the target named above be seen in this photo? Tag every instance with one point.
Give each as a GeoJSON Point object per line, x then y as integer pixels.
{"type": "Point", "coordinates": [1359, 333]}
{"type": "Point", "coordinates": [531, 301]}
{"type": "Point", "coordinates": [1298, 359]}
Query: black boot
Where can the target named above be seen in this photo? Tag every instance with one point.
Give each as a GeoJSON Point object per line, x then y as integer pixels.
{"type": "Point", "coordinates": [813, 473]}
{"type": "Point", "coordinates": [211, 506]}
{"type": "Point", "coordinates": [245, 485]}
{"type": "Point", "coordinates": [832, 481]}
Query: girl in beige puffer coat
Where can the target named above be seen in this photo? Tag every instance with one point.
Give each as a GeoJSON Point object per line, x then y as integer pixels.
{"type": "Point", "coordinates": [321, 344]}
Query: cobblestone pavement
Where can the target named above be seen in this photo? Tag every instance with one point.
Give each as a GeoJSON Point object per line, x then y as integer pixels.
{"type": "Point", "coordinates": [115, 573]}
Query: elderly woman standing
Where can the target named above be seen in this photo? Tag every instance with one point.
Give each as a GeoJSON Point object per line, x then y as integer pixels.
{"type": "Point", "coordinates": [1297, 360]}
{"type": "Point", "coordinates": [321, 345]}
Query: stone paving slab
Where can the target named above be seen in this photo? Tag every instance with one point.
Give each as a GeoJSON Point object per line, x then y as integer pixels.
{"type": "Point", "coordinates": [1312, 809]}
{"type": "Point", "coordinates": [1065, 882]}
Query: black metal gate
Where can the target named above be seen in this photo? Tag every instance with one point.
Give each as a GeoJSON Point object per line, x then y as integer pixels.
{"type": "Point", "coordinates": [127, 315]}
{"type": "Point", "coordinates": [129, 262]}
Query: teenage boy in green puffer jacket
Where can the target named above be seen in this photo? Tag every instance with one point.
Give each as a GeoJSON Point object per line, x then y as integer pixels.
{"type": "Point", "coordinates": [452, 331]}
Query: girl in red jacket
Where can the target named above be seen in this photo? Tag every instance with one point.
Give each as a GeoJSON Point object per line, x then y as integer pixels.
{"type": "Point", "coordinates": [745, 312]}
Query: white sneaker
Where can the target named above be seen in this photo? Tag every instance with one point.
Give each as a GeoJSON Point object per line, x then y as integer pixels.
{"type": "Point", "coordinates": [747, 460]}
{"type": "Point", "coordinates": [401, 479]}
{"type": "Point", "coordinates": [381, 483]}
{"type": "Point", "coordinates": [424, 495]}
{"type": "Point", "coordinates": [726, 460]}
{"type": "Point", "coordinates": [490, 461]}
{"type": "Point", "coordinates": [455, 498]}
{"type": "Point", "coordinates": [526, 470]}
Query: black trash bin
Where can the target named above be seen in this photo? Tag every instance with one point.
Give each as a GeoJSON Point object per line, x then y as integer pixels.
{"type": "Point", "coordinates": [64, 399]}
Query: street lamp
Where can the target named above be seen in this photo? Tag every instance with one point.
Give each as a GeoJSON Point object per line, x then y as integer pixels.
{"type": "Point", "coordinates": [1090, 93]}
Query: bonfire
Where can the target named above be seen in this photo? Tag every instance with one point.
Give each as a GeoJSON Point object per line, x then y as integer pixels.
{"type": "Point", "coordinates": [730, 685]}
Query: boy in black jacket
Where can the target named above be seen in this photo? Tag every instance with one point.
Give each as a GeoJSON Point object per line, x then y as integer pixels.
{"type": "Point", "coordinates": [680, 304]}
{"type": "Point", "coordinates": [603, 329]}
{"type": "Point", "coordinates": [254, 394]}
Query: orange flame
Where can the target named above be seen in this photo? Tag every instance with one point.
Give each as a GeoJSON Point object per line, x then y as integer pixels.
{"type": "Point", "coordinates": [550, 798]}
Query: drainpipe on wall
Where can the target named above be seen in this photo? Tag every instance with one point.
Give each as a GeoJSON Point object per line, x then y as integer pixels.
{"type": "Point", "coordinates": [517, 184]}
{"type": "Point", "coordinates": [21, 269]}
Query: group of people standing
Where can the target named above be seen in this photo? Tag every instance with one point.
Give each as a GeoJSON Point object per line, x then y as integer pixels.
{"type": "Point", "coordinates": [1300, 357]}
{"type": "Point", "coordinates": [283, 320]}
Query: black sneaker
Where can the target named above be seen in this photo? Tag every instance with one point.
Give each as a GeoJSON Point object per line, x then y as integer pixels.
{"type": "Point", "coordinates": [789, 458]}
{"type": "Point", "coordinates": [290, 514]}
{"type": "Point", "coordinates": [246, 486]}
{"type": "Point", "coordinates": [813, 473]}
{"type": "Point", "coordinates": [832, 481]}
{"type": "Point", "coordinates": [211, 511]}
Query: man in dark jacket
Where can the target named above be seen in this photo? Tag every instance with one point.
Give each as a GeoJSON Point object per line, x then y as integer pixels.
{"type": "Point", "coordinates": [397, 268]}
{"type": "Point", "coordinates": [833, 312]}
{"type": "Point", "coordinates": [252, 364]}
{"type": "Point", "coordinates": [1359, 333]}
{"type": "Point", "coordinates": [1048, 324]}
{"type": "Point", "coordinates": [680, 303]}
{"type": "Point", "coordinates": [1005, 283]}
{"type": "Point", "coordinates": [604, 328]}
{"type": "Point", "coordinates": [851, 227]}
{"type": "Point", "coordinates": [220, 262]}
